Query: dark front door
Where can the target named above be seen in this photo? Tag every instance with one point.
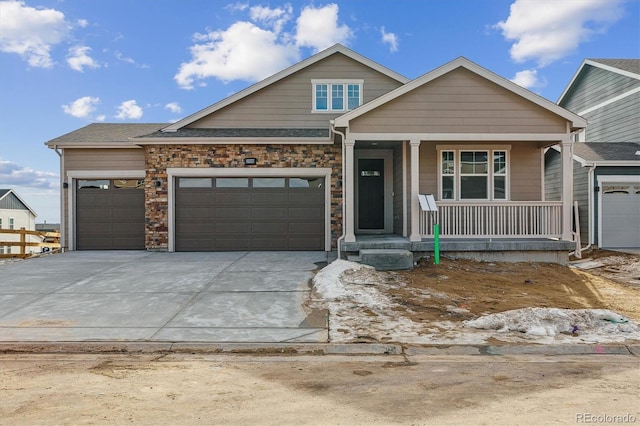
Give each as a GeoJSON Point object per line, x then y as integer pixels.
{"type": "Point", "coordinates": [371, 193]}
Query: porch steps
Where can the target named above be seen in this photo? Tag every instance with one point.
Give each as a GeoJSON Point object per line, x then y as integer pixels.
{"type": "Point", "coordinates": [387, 259]}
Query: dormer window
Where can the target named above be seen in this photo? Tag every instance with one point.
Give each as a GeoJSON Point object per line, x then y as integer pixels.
{"type": "Point", "coordinates": [336, 95]}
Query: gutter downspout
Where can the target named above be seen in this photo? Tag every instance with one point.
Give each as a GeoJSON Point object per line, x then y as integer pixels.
{"type": "Point", "coordinates": [590, 208]}
{"type": "Point", "coordinates": [591, 201]}
{"type": "Point", "coordinates": [341, 237]}
{"type": "Point", "coordinates": [63, 233]}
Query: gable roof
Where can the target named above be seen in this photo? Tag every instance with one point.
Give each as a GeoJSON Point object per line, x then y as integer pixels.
{"type": "Point", "coordinates": [337, 48]}
{"type": "Point", "coordinates": [576, 121]}
{"type": "Point", "coordinates": [627, 67]}
{"type": "Point", "coordinates": [10, 200]}
{"type": "Point", "coordinates": [108, 135]}
{"type": "Point", "coordinates": [607, 153]}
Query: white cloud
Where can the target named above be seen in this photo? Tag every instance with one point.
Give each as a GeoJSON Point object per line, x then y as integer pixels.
{"type": "Point", "coordinates": [272, 18]}
{"type": "Point", "coordinates": [129, 110]}
{"type": "Point", "coordinates": [119, 56]}
{"type": "Point", "coordinates": [30, 32]}
{"type": "Point", "coordinates": [243, 51]}
{"type": "Point", "coordinates": [529, 79]}
{"type": "Point", "coordinates": [318, 28]}
{"type": "Point", "coordinates": [237, 7]}
{"type": "Point", "coordinates": [78, 58]}
{"type": "Point", "coordinates": [82, 107]}
{"type": "Point", "coordinates": [101, 118]}
{"type": "Point", "coordinates": [174, 107]}
{"type": "Point", "coordinates": [545, 31]}
{"type": "Point", "coordinates": [12, 174]}
{"type": "Point", "coordinates": [82, 23]}
{"type": "Point", "coordinates": [391, 39]}
{"type": "Point", "coordinates": [254, 50]}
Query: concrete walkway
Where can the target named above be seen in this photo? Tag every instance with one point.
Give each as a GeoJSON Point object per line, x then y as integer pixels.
{"type": "Point", "coordinates": [137, 296]}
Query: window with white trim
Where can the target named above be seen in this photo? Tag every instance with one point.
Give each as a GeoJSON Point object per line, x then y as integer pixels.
{"type": "Point", "coordinates": [11, 223]}
{"type": "Point", "coordinates": [473, 174]}
{"type": "Point", "coordinates": [336, 95]}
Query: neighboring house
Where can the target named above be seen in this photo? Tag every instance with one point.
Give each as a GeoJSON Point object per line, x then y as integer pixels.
{"type": "Point", "coordinates": [330, 153]}
{"type": "Point", "coordinates": [607, 155]}
{"type": "Point", "coordinates": [16, 214]}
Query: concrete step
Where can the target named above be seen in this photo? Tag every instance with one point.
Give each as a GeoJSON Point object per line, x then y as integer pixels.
{"type": "Point", "coordinates": [387, 259]}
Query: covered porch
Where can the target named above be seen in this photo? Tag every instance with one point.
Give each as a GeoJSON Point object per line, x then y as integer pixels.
{"type": "Point", "coordinates": [513, 220]}
{"type": "Point", "coordinates": [475, 143]}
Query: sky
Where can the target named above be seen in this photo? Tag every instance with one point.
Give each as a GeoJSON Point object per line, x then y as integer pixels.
{"type": "Point", "coordinates": [67, 63]}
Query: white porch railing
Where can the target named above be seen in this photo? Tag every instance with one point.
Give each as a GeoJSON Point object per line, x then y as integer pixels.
{"type": "Point", "coordinates": [518, 219]}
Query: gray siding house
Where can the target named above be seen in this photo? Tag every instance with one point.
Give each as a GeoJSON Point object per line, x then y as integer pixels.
{"type": "Point", "coordinates": [606, 156]}
{"type": "Point", "coordinates": [331, 153]}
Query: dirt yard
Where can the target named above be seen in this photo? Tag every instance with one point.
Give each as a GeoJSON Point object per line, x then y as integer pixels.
{"type": "Point", "coordinates": [328, 390]}
{"type": "Point", "coordinates": [435, 304]}
{"type": "Point", "coordinates": [462, 289]}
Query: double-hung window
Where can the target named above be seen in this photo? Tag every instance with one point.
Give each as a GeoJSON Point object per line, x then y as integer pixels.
{"type": "Point", "coordinates": [336, 96]}
{"type": "Point", "coordinates": [473, 174]}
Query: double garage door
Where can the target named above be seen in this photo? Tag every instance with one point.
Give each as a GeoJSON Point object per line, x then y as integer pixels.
{"type": "Point", "coordinates": [620, 215]}
{"type": "Point", "coordinates": [249, 213]}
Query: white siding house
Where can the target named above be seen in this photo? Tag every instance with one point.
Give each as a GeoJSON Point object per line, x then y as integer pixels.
{"type": "Point", "coordinates": [16, 214]}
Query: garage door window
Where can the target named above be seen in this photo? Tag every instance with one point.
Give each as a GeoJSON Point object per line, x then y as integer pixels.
{"type": "Point", "coordinates": [232, 182]}
{"type": "Point", "coordinates": [194, 182]}
{"type": "Point", "coordinates": [128, 183]}
{"type": "Point", "coordinates": [618, 189]}
{"type": "Point", "coordinates": [268, 183]}
{"type": "Point", "coordinates": [313, 182]}
{"type": "Point", "coordinates": [93, 184]}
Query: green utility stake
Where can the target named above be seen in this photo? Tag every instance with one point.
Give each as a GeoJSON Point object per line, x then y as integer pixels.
{"type": "Point", "coordinates": [436, 242]}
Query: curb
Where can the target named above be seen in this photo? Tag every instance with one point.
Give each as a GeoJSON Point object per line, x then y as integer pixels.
{"type": "Point", "coordinates": [310, 348]}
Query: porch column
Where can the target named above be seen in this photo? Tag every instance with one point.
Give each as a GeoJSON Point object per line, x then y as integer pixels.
{"type": "Point", "coordinates": [567, 187]}
{"type": "Point", "coordinates": [348, 192]}
{"type": "Point", "coordinates": [415, 183]}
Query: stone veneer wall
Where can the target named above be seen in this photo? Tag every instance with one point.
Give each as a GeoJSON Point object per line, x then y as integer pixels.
{"type": "Point", "coordinates": [160, 157]}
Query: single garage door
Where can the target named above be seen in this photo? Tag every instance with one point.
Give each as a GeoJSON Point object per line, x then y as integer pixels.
{"type": "Point", "coordinates": [250, 213]}
{"type": "Point", "coordinates": [110, 214]}
{"type": "Point", "coordinates": [620, 215]}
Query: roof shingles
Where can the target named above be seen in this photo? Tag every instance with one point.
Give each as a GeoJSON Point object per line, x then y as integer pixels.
{"type": "Point", "coordinates": [607, 151]}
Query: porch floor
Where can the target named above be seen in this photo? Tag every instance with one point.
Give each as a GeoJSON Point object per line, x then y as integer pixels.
{"type": "Point", "coordinates": [510, 249]}
{"type": "Point", "coordinates": [394, 241]}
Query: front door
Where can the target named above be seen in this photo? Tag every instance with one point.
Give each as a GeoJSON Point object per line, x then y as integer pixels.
{"type": "Point", "coordinates": [371, 207]}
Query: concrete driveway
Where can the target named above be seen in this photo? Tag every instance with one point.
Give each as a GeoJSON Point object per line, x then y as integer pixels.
{"type": "Point", "coordinates": [161, 297]}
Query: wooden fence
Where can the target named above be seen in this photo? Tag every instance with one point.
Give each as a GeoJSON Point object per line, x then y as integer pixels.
{"type": "Point", "coordinates": [50, 240]}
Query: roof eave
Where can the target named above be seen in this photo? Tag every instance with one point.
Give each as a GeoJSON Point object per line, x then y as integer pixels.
{"type": "Point", "coordinates": [230, 141]}
{"type": "Point", "coordinates": [614, 163]}
{"type": "Point", "coordinates": [93, 145]}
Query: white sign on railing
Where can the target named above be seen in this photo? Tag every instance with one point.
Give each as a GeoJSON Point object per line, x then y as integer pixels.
{"type": "Point", "coordinates": [427, 203]}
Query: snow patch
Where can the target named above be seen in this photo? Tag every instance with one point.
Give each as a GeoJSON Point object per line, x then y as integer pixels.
{"type": "Point", "coordinates": [552, 322]}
